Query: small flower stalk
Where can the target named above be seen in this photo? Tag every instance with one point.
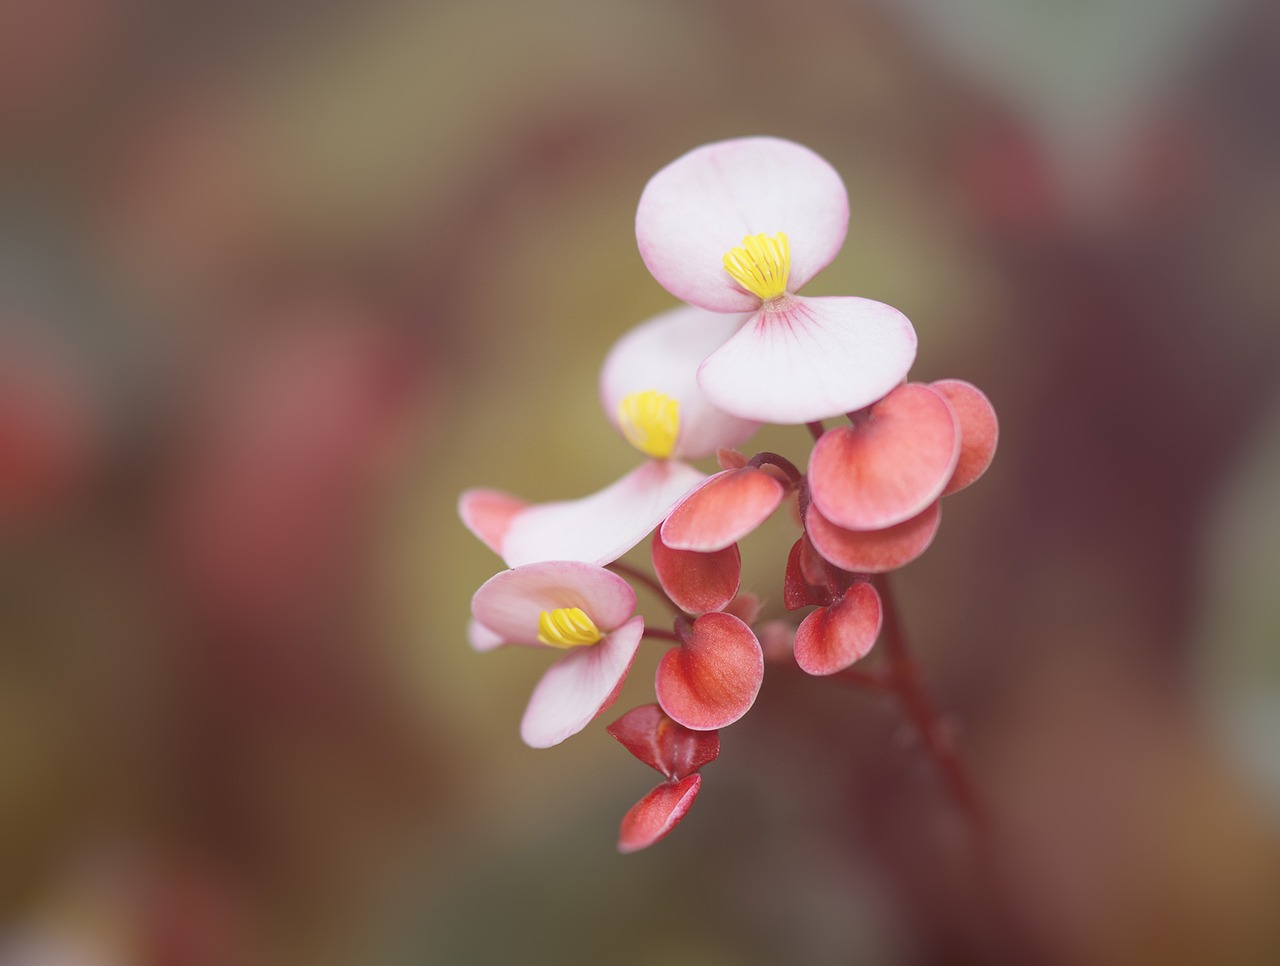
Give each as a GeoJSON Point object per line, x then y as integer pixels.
{"type": "Point", "coordinates": [734, 230]}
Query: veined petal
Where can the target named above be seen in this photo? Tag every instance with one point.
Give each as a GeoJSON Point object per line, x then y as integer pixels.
{"type": "Point", "coordinates": [722, 510]}
{"type": "Point", "coordinates": [873, 551]}
{"type": "Point", "coordinates": [509, 604]}
{"type": "Point", "coordinates": [712, 679]}
{"type": "Point", "coordinates": [979, 430]}
{"type": "Point", "coordinates": [701, 206]}
{"type": "Point", "coordinates": [601, 527]}
{"type": "Point", "coordinates": [890, 465]}
{"type": "Point", "coordinates": [579, 686]}
{"type": "Point", "coordinates": [663, 354]}
{"type": "Point", "coordinates": [488, 514]}
{"type": "Point", "coordinates": [664, 744]}
{"type": "Point", "coordinates": [801, 359]}
{"type": "Point", "coordinates": [832, 638]}
{"type": "Point", "coordinates": [651, 818]}
{"type": "Point", "coordinates": [697, 583]}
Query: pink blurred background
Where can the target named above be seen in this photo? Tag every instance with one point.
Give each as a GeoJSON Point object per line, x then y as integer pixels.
{"type": "Point", "coordinates": [278, 280]}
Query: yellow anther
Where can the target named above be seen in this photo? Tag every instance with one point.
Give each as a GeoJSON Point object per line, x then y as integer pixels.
{"type": "Point", "coordinates": [567, 627]}
{"type": "Point", "coordinates": [762, 265]}
{"type": "Point", "coordinates": [651, 421]}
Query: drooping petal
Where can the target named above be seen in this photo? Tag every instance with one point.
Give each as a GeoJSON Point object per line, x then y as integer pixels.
{"type": "Point", "coordinates": [712, 679]}
{"type": "Point", "coordinates": [651, 818]}
{"type": "Point", "coordinates": [481, 638]}
{"type": "Point", "coordinates": [801, 359]}
{"type": "Point", "coordinates": [800, 586]}
{"type": "Point", "coordinates": [873, 551]}
{"type": "Point", "coordinates": [889, 466]}
{"type": "Point", "coordinates": [832, 638]}
{"type": "Point", "coordinates": [723, 510]}
{"type": "Point", "coordinates": [663, 744]}
{"type": "Point", "coordinates": [579, 686]}
{"type": "Point", "coordinates": [701, 206]}
{"type": "Point", "coordinates": [509, 603]}
{"type": "Point", "coordinates": [488, 514]}
{"type": "Point", "coordinates": [979, 430]}
{"type": "Point", "coordinates": [601, 527]}
{"type": "Point", "coordinates": [697, 582]}
{"type": "Point", "coordinates": [663, 354]}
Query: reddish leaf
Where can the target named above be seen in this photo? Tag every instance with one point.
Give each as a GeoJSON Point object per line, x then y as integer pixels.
{"type": "Point", "coordinates": [723, 510]}
{"type": "Point", "coordinates": [832, 638]}
{"type": "Point", "coordinates": [713, 678]}
{"type": "Point", "coordinates": [873, 551]}
{"type": "Point", "coordinates": [979, 431]}
{"type": "Point", "coordinates": [651, 818]}
{"type": "Point", "coordinates": [697, 582]}
{"type": "Point", "coordinates": [889, 466]}
{"type": "Point", "coordinates": [665, 745]}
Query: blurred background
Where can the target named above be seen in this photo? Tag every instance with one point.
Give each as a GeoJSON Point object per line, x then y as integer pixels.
{"type": "Point", "coordinates": [279, 279]}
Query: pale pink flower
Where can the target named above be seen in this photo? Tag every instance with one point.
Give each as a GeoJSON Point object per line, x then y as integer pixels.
{"type": "Point", "coordinates": [650, 394]}
{"type": "Point", "coordinates": [739, 226]}
{"type": "Point", "coordinates": [569, 605]}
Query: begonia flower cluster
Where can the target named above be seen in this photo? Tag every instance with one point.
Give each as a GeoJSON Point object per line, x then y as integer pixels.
{"type": "Point", "coordinates": [733, 230]}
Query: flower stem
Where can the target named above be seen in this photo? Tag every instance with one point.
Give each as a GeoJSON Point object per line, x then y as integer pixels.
{"type": "Point", "coordinates": [816, 429]}
{"type": "Point", "coordinates": [905, 681]}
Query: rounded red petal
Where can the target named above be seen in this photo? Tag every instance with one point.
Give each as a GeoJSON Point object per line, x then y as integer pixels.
{"type": "Point", "coordinates": [697, 582]}
{"type": "Point", "coordinates": [979, 430]}
{"type": "Point", "coordinates": [873, 551]}
{"type": "Point", "coordinates": [713, 678]}
{"type": "Point", "coordinates": [723, 510]}
{"type": "Point", "coordinates": [888, 467]}
{"type": "Point", "coordinates": [651, 818]}
{"type": "Point", "coordinates": [832, 638]}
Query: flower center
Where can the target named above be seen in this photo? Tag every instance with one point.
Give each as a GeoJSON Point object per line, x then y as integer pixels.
{"type": "Point", "coordinates": [651, 421]}
{"type": "Point", "coordinates": [762, 265]}
{"type": "Point", "coordinates": [567, 627]}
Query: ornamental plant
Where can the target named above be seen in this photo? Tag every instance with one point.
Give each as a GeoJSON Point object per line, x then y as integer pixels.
{"type": "Point", "coordinates": [734, 229]}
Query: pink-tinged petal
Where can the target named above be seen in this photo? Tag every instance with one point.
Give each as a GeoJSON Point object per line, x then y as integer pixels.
{"type": "Point", "coordinates": [663, 354]}
{"type": "Point", "coordinates": [832, 638]}
{"type": "Point", "coordinates": [488, 514]}
{"type": "Point", "coordinates": [873, 551]}
{"type": "Point", "coordinates": [481, 638]}
{"type": "Point", "coordinates": [777, 641]}
{"type": "Point", "coordinates": [697, 582]}
{"type": "Point", "coordinates": [700, 206]}
{"type": "Point", "coordinates": [800, 359]}
{"type": "Point", "coordinates": [579, 686]}
{"type": "Point", "coordinates": [602, 527]}
{"type": "Point", "coordinates": [712, 679]}
{"type": "Point", "coordinates": [663, 744]}
{"type": "Point", "coordinates": [723, 510]}
{"type": "Point", "coordinates": [651, 818]}
{"type": "Point", "coordinates": [979, 430]}
{"type": "Point", "coordinates": [509, 603]}
{"type": "Point", "coordinates": [889, 466]}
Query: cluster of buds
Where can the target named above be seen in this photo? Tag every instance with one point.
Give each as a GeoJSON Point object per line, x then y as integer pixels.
{"type": "Point", "coordinates": [733, 229]}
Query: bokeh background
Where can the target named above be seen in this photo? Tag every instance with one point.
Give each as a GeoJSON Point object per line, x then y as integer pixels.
{"type": "Point", "coordinates": [279, 279]}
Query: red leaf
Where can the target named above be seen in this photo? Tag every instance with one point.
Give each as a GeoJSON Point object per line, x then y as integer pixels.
{"type": "Point", "coordinates": [697, 582]}
{"type": "Point", "coordinates": [832, 638]}
{"type": "Point", "coordinates": [713, 678]}
{"type": "Point", "coordinates": [651, 818]}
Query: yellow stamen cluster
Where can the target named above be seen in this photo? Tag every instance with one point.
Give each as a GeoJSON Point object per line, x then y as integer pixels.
{"type": "Point", "coordinates": [651, 421]}
{"type": "Point", "coordinates": [762, 265]}
{"type": "Point", "coordinates": [567, 627]}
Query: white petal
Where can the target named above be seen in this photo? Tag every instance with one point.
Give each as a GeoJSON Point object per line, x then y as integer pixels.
{"type": "Point", "coordinates": [663, 354]}
{"type": "Point", "coordinates": [579, 686]}
{"type": "Point", "coordinates": [509, 604]}
{"type": "Point", "coordinates": [601, 527]}
{"type": "Point", "coordinates": [801, 359]}
{"type": "Point", "coordinates": [701, 205]}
